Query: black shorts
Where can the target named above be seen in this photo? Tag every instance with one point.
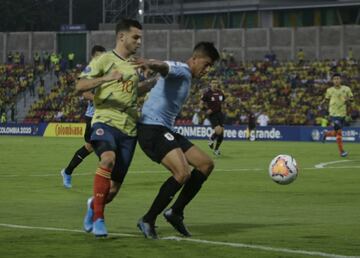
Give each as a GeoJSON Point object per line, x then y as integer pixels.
{"type": "Point", "coordinates": [251, 126]}
{"type": "Point", "coordinates": [87, 134]}
{"type": "Point", "coordinates": [156, 141]}
{"type": "Point", "coordinates": [216, 119]}
{"type": "Point", "coordinates": [107, 138]}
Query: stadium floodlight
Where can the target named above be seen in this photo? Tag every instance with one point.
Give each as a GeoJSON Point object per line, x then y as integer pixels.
{"type": "Point", "coordinates": [141, 11]}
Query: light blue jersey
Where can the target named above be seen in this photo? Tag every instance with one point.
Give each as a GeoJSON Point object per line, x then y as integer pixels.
{"type": "Point", "coordinates": [90, 109]}
{"type": "Point", "coordinates": [167, 97]}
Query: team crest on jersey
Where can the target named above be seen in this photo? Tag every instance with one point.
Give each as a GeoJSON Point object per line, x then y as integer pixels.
{"type": "Point", "coordinates": [87, 69]}
{"type": "Point", "coordinates": [169, 136]}
{"type": "Point", "coordinates": [100, 131]}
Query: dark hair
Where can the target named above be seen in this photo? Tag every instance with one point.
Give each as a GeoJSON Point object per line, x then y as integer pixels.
{"type": "Point", "coordinates": [125, 25]}
{"type": "Point", "coordinates": [336, 75]}
{"type": "Point", "coordinates": [208, 49]}
{"type": "Point", "coordinates": [97, 48]}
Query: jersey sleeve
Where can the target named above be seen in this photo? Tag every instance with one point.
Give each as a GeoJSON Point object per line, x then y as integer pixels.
{"type": "Point", "coordinates": [93, 69]}
{"type": "Point", "coordinates": [177, 69]}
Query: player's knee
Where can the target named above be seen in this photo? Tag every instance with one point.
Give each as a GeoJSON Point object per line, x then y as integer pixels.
{"type": "Point", "coordinates": [88, 147]}
{"type": "Point", "coordinates": [107, 160]}
{"type": "Point", "coordinates": [207, 167]}
{"type": "Point", "coordinates": [184, 178]}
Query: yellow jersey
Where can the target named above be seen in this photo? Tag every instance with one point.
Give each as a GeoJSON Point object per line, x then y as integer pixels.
{"type": "Point", "coordinates": [115, 101]}
{"type": "Point", "coordinates": [338, 98]}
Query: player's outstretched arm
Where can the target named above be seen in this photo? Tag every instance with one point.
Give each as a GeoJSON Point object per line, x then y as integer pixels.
{"type": "Point", "coordinates": [146, 85]}
{"type": "Point", "coordinates": [84, 84]}
{"type": "Point", "coordinates": [154, 65]}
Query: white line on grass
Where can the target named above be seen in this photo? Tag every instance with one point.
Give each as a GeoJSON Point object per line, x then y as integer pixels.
{"type": "Point", "coordinates": [133, 172]}
{"type": "Point", "coordinates": [322, 165]}
{"type": "Point", "coordinates": [173, 238]}
{"type": "Point", "coordinates": [59, 229]}
{"type": "Point", "coordinates": [261, 247]}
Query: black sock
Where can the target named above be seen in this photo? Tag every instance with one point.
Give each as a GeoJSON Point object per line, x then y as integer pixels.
{"type": "Point", "coordinates": [219, 141]}
{"type": "Point", "coordinates": [78, 157]}
{"type": "Point", "coordinates": [164, 197]}
{"type": "Point", "coordinates": [190, 189]}
{"type": "Point", "coordinates": [213, 136]}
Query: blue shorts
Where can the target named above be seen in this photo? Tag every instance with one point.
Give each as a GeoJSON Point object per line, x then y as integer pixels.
{"type": "Point", "coordinates": [107, 138]}
{"type": "Point", "coordinates": [337, 122]}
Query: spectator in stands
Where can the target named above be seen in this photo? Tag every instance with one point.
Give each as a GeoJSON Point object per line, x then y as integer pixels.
{"type": "Point", "coordinates": [300, 56]}
{"type": "Point", "coordinates": [17, 58]}
{"type": "Point", "coordinates": [3, 118]}
{"type": "Point", "coordinates": [36, 58]}
{"type": "Point", "coordinates": [13, 112]}
{"type": "Point", "coordinates": [71, 59]}
{"type": "Point", "coordinates": [10, 58]}
{"type": "Point", "coordinates": [22, 58]}
{"type": "Point", "coordinates": [46, 60]}
{"type": "Point", "coordinates": [41, 91]}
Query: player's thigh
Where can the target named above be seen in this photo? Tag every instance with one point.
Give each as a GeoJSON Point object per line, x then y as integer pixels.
{"type": "Point", "coordinates": [217, 121]}
{"type": "Point", "coordinates": [199, 159]}
{"type": "Point", "coordinates": [156, 141]}
{"type": "Point", "coordinates": [124, 155]}
{"type": "Point", "coordinates": [102, 138]}
{"type": "Point", "coordinates": [337, 122]}
{"type": "Point", "coordinates": [195, 156]}
{"type": "Point", "coordinates": [219, 129]}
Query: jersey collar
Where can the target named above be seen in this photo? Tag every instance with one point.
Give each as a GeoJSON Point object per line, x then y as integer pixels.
{"type": "Point", "coordinates": [119, 56]}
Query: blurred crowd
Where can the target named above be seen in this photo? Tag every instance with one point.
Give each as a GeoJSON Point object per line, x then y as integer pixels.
{"type": "Point", "coordinates": [61, 104]}
{"type": "Point", "coordinates": [287, 93]}
{"type": "Point", "coordinates": [15, 79]}
{"type": "Point", "coordinates": [278, 93]}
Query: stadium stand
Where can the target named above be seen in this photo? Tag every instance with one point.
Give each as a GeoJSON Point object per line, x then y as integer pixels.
{"type": "Point", "coordinates": [288, 92]}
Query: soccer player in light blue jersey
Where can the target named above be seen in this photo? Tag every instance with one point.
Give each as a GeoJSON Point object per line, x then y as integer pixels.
{"type": "Point", "coordinates": [85, 150]}
{"type": "Point", "coordinates": [160, 142]}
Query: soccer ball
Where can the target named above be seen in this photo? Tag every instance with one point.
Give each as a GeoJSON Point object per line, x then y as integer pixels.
{"type": "Point", "coordinates": [283, 169]}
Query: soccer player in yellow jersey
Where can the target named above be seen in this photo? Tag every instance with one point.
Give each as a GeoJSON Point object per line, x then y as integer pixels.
{"type": "Point", "coordinates": [86, 149]}
{"type": "Point", "coordinates": [113, 137]}
{"type": "Point", "coordinates": [338, 96]}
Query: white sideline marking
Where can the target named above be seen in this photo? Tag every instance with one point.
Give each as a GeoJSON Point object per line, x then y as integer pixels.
{"type": "Point", "coordinates": [59, 229]}
{"type": "Point", "coordinates": [322, 165]}
{"type": "Point", "coordinates": [133, 172]}
{"type": "Point", "coordinates": [261, 247]}
{"type": "Point", "coordinates": [237, 245]}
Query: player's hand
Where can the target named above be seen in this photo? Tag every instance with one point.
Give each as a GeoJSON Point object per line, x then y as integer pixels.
{"type": "Point", "coordinates": [147, 64]}
{"type": "Point", "coordinates": [113, 76]}
{"type": "Point", "coordinates": [208, 112]}
{"type": "Point", "coordinates": [140, 63]}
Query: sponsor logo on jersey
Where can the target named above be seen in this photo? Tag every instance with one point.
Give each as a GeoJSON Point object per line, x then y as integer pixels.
{"type": "Point", "coordinates": [100, 131]}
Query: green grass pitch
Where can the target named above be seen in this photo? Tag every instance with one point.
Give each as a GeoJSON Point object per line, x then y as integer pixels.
{"type": "Point", "coordinates": [239, 212]}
